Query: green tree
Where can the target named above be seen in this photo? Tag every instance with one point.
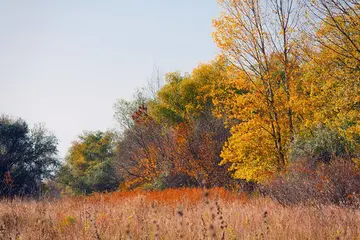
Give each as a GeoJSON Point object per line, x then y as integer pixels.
{"type": "Point", "coordinates": [89, 164]}
{"type": "Point", "coordinates": [27, 156]}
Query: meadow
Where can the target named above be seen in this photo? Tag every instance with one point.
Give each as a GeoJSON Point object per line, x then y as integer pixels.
{"type": "Point", "coordinates": [273, 112]}
{"type": "Point", "coordinates": [189, 213]}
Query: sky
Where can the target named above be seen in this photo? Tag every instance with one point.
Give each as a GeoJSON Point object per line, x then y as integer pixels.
{"type": "Point", "coordinates": [65, 63]}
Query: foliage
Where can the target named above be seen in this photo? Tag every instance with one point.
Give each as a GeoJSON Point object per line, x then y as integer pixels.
{"type": "Point", "coordinates": [186, 97]}
{"type": "Point", "coordinates": [143, 152]}
{"type": "Point", "coordinates": [27, 157]}
{"type": "Point", "coordinates": [320, 145]}
{"type": "Point", "coordinates": [89, 164]}
{"type": "Point", "coordinates": [258, 42]}
{"type": "Point", "coordinates": [175, 136]}
{"type": "Point", "coordinates": [330, 85]}
{"type": "Point", "coordinates": [284, 81]}
{"type": "Point", "coordinates": [124, 109]}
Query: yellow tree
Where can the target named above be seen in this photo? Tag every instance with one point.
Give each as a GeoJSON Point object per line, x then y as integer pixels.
{"type": "Point", "coordinates": [331, 74]}
{"type": "Point", "coordinates": [339, 28]}
{"type": "Point", "coordinates": [257, 38]}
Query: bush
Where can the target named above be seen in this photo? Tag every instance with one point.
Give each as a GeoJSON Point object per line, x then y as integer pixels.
{"type": "Point", "coordinates": [320, 145]}
{"type": "Point", "coordinates": [335, 183]}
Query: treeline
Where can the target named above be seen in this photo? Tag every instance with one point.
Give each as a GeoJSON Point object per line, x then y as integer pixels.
{"type": "Point", "coordinates": [277, 109]}
{"type": "Point", "coordinates": [170, 139]}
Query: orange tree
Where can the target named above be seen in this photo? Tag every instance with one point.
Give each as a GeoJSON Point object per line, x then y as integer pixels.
{"type": "Point", "coordinates": [174, 139]}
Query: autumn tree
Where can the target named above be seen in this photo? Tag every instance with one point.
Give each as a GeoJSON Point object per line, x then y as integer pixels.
{"type": "Point", "coordinates": [89, 164]}
{"type": "Point", "coordinates": [185, 103]}
{"type": "Point", "coordinates": [143, 151]}
{"type": "Point", "coordinates": [288, 75]}
{"type": "Point", "coordinates": [331, 72]}
{"type": "Point", "coordinates": [124, 109]}
{"type": "Point", "coordinates": [336, 24]}
{"type": "Point", "coordinates": [174, 138]}
{"type": "Point", "coordinates": [258, 38]}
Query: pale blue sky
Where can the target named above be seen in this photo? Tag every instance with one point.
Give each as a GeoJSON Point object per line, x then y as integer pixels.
{"type": "Point", "coordinates": [64, 63]}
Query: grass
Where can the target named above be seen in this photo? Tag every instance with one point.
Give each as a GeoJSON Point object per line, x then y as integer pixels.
{"type": "Point", "coordinates": [173, 214]}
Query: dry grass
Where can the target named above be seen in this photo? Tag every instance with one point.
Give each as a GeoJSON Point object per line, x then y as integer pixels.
{"type": "Point", "coordinates": [173, 214]}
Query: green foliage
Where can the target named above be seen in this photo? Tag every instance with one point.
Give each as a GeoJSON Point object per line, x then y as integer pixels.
{"type": "Point", "coordinates": [103, 177]}
{"type": "Point", "coordinates": [320, 144]}
{"type": "Point", "coordinates": [185, 97]}
{"type": "Point", "coordinates": [27, 156]}
{"type": "Point", "coordinates": [89, 166]}
{"type": "Point", "coordinates": [169, 104]}
{"type": "Point", "coordinates": [124, 109]}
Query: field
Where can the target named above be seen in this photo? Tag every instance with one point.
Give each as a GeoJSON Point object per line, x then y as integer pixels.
{"type": "Point", "coordinates": [173, 214]}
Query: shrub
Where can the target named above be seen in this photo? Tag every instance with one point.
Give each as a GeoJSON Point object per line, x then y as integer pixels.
{"type": "Point", "coordinates": [320, 144]}
{"type": "Point", "coordinates": [335, 183]}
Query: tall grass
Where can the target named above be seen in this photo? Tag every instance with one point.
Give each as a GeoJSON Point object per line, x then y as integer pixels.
{"type": "Point", "coordinates": [173, 214]}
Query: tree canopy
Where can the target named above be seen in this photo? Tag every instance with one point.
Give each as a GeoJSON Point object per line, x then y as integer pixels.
{"type": "Point", "coordinates": [89, 164]}
{"type": "Point", "coordinates": [27, 156]}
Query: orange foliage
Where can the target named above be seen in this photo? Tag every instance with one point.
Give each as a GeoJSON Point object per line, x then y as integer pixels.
{"type": "Point", "coordinates": [8, 179]}
{"type": "Point", "coordinates": [171, 196]}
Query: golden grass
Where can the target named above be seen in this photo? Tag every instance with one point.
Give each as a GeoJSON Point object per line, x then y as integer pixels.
{"type": "Point", "coordinates": [173, 214]}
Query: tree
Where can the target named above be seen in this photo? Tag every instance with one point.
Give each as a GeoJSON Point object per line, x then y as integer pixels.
{"type": "Point", "coordinates": [283, 82]}
{"type": "Point", "coordinates": [185, 103]}
{"type": "Point", "coordinates": [198, 144]}
{"type": "Point", "coordinates": [258, 40]}
{"type": "Point", "coordinates": [144, 150]}
{"type": "Point", "coordinates": [336, 24]}
{"type": "Point", "coordinates": [124, 109]}
{"type": "Point", "coordinates": [174, 139]}
{"type": "Point", "coordinates": [185, 97]}
{"type": "Point", "coordinates": [27, 156]}
{"type": "Point", "coordinates": [89, 164]}
{"type": "Point", "coordinates": [331, 72]}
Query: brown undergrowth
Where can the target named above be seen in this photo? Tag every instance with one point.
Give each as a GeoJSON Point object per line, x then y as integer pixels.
{"type": "Point", "coordinates": [173, 214]}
